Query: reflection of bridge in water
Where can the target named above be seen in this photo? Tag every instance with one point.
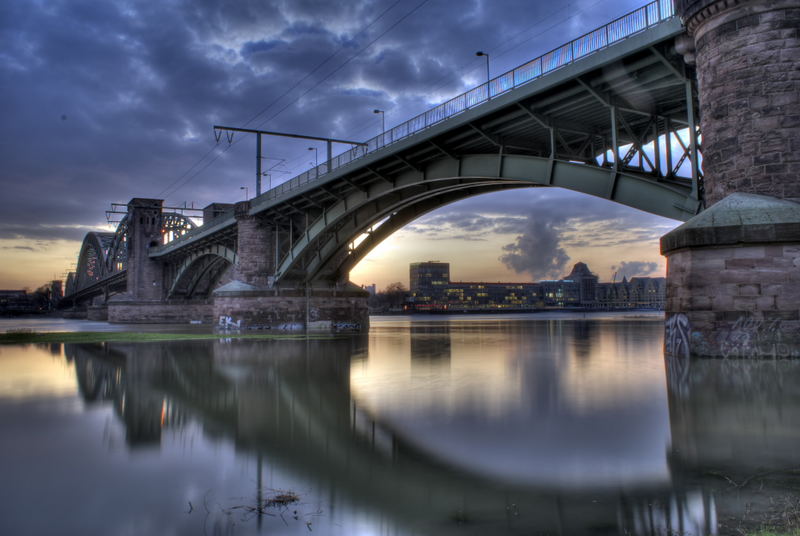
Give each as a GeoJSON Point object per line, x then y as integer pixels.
{"type": "Point", "coordinates": [291, 403]}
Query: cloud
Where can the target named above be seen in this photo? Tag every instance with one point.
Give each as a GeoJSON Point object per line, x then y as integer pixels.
{"type": "Point", "coordinates": [39, 232]}
{"type": "Point", "coordinates": [466, 225]}
{"type": "Point", "coordinates": [537, 251]}
{"type": "Point", "coordinates": [634, 268]}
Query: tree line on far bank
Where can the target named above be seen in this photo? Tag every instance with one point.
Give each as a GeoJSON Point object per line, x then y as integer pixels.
{"type": "Point", "coordinates": [390, 299]}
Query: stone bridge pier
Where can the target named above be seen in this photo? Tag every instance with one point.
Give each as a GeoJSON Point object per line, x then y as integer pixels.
{"type": "Point", "coordinates": [733, 271]}
{"type": "Point", "coordinates": [256, 300]}
{"type": "Point", "coordinates": [251, 299]}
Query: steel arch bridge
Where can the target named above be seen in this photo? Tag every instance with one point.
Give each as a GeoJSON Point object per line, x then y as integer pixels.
{"type": "Point", "coordinates": [611, 114]}
{"type": "Point", "coordinates": [103, 260]}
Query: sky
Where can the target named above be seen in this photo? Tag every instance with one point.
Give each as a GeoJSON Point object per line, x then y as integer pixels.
{"type": "Point", "coordinates": [106, 101]}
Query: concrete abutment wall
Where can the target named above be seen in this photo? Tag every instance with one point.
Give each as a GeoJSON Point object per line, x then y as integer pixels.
{"type": "Point", "coordinates": [148, 312]}
{"type": "Point", "coordinates": [266, 310]}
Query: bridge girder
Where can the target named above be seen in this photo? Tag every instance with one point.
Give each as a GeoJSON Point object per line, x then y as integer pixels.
{"type": "Point", "coordinates": [343, 221]}
{"type": "Point", "coordinates": [195, 266]}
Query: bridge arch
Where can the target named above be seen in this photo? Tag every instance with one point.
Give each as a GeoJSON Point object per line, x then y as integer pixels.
{"type": "Point", "coordinates": [323, 251]}
{"type": "Point", "coordinates": [92, 259]}
{"type": "Point", "coordinates": [206, 264]}
{"type": "Point", "coordinates": [117, 257]}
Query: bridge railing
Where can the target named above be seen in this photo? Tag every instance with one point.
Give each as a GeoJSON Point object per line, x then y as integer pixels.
{"type": "Point", "coordinates": [634, 22]}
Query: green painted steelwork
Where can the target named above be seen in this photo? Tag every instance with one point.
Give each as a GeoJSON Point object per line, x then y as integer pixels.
{"type": "Point", "coordinates": [467, 177]}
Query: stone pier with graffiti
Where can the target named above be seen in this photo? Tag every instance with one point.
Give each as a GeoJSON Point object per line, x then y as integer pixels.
{"type": "Point", "coordinates": [733, 277]}
{"type": "Point", "coordinates": [126, 278]}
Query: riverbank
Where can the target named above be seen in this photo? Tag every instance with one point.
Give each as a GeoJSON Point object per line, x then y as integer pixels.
{"type": "Point", "coordinates": [33, 337]}
{"type": "Point", "coordinates": [510, 311]}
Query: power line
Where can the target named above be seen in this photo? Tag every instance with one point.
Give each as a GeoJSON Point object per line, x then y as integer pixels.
{"type": "Point", "coordinates": [499, 47]}
{"type": "Point", "coordinates": [319, 65]}
{"type": "Point", "coordinates": [351, 58]}
{"type": "Point", "coordinates": [397, 22]}
{"type": "Point", "coordinates": [178, 183]}
{"type": "Point", "coordinates": [195, 174]}
{"type": "Point", "coordinates": [210, 150]}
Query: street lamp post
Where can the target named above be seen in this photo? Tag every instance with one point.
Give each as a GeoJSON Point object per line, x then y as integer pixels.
{"type": "Point", "coordinates": [246, 192]}
{"type": "Point", "coordinates": [488, 78]}
{"type": "Point", "coordinates": [316, 160]}
{"type": "Point", "coordinates": [383, 119]}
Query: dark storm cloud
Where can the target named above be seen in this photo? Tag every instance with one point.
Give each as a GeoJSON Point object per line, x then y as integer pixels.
{"type": "Point", "coordinates": [104, 101]}
{"type": "Point", "coordinates": [33, 231]}
{"type": "Point", "coordinates": [575, 220]}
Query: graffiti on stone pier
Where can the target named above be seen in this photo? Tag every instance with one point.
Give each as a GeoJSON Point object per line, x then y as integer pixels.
{"type": "Point", "coordinates": [676, 336]}
{"type": "Point", "coordinates": [751, 337]}
{"type": "Point", "coordinates": [227, 322]}
{"type": "Point", "coordinates": [677, 353]}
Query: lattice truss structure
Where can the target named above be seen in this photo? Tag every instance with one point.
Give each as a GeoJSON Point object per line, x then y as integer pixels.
{"type": "Point", "coordinates": [103, 256]}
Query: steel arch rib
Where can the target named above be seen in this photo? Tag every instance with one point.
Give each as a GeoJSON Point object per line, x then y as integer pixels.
{"type": "Point", "coordinates": [671, 200]}
{"type": "Point", "coordinates": [198, 275]}
{"type": "Point", "coordinates": [93, 240]}
{"type": "Point", "coordinates": [188, 263]}
{"type": "Point", "coordinates": [117, 246]}
{"type": "Point", "coordinates": [337, 247]}
{"type": "Point", "coordinates": [400, 219]}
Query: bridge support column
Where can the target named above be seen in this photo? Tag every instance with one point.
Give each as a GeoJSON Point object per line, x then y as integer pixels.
{"type": "Point", "coordinates": [253, 300]}
{"type": "Point", "coordinates": [145, 279]}
{"type": "Point", "coordinates": [733, 271]}
{"type": "Point", "coordinates": [255, 250]}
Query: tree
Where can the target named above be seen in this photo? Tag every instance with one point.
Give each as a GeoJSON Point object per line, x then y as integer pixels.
{"type": "Point", "coordinates": [392, 298]}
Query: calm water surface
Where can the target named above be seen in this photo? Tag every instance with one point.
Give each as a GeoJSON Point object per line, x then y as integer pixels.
{"type": "Point", "coordinates": [531, 424]}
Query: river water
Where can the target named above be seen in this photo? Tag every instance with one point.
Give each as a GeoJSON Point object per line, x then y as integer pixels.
{"type": "Point", "coordinates": [536, 424]}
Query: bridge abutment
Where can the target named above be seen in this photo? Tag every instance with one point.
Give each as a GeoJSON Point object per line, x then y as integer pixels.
{"type": "Point", "coordinates": [253, 301]}
{"type": "Point", "coordinates": [733, 271]}
{"type": "Point", "coordinates": [145, 277]}
{"type": "Point", "coordinates": [255, 248]}
{"type": "Point", "coordinates": [292, 309]}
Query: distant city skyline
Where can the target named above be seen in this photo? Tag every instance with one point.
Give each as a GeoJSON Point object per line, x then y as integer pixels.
{"type": "Point", "coordinates": [432, 289]}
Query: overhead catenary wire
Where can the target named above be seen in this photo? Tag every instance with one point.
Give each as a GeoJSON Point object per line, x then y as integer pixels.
{"type": "Point", "coordinates": [318, 66]}
{"type": "Point", "coordinates": [324, 79]}
{"type": "Point", "coordinates": [500, 49]}
{"type": "Point", "coordinates": [179, 183]}
{"type": "Point", "coordinates": [351, 58]}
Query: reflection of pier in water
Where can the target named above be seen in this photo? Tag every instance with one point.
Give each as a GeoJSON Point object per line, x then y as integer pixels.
{"type": "Point", "coordinates": [290, 403]}
{"type": "Point", "coordinates": [736, 431]}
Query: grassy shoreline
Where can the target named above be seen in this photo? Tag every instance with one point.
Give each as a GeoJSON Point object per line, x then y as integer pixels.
{"type": "Point", "coordinates": [27, 337]}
